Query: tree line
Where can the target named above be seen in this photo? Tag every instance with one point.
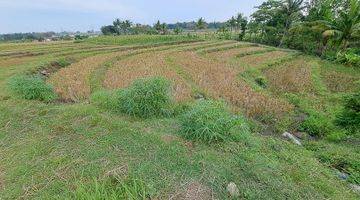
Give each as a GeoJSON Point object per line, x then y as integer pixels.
{"type": "Point", "coordinates": [327, 28]}
{"type": "Point", "coordinates": [127, 27]}
{"type": "Point", "coordinates": [26, 36]}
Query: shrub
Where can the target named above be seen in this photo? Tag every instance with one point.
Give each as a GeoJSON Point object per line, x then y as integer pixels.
{"type": "Point", "coordinates": [208, 121]}
{"type": "Point", "coordinates": [146, 97]}
{"type": "Point", "coordinates": [32, 88]}
{"type": "Point", "coordinates": [350, 116]}
{"type": "Point", "coordinates": [350, 57]}
{"type": "Point", "coordinates": [317, 125]}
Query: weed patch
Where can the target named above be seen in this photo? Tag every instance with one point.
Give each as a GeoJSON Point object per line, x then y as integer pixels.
{"type": "Point", "coordinates": [350, 116]}
{"type": "Point", "coordinates": [146, 97]}
{"type": "Point", "coordinates": [32, 88]}
{"type": "Point", "coordinates": [317, 125]}
{"type": "Point", "coordinates": [208, 121]}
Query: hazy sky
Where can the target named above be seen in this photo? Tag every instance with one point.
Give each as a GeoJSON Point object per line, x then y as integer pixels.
{"type": "Point", "coordinates": [83, 15]}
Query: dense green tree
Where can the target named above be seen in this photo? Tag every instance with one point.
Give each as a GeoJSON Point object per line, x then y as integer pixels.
{"type": "Point", "coordinates": [108, 30]}
{"type": "Point", "coordinates": [164, 28]}
{"type": "Point", "coordinates": [122, 27]}
{"type": "Point", "coordinates": [158, 27]}
{"type": "Point", "coordinates": [232, 23]}
{"type": "Point", "coordinates": [241, 23]}
{"type": "Point", "coordinates": [345, 25]}
{"type": "Point", "coordinates": [318, 10]}
{"type": "Point", "coordinates": [292, 11]}
{"type": "Point", "coordinates": [267, 22]}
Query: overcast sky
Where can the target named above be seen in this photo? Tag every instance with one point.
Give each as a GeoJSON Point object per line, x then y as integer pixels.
{"type": "Point", "coordinates": [83, 15]}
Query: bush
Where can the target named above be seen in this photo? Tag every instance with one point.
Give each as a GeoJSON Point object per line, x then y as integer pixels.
{"type": "Point", "coordinates": [350, 116]}
{"type": "Point", "coordinates": [32, 88]}
{"type": "Point", "coordinates": [317, 125]}
{"type": "Point", "coordinates": [146, 97]}
{"type": "Point", "coordinates": [208, 121]}
{"type": "Point", "coordinates": [349, 57]}
{"type": "Point", "coordinates": [304, 37]}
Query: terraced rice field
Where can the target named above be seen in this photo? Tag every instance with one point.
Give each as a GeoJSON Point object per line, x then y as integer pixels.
{"type": "Point", "coordinates": [51, 150]}
{"type": "Point", "coordinates": [199, 74]}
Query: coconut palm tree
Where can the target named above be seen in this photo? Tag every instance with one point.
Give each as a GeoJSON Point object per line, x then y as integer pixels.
{"type": "Point", "coordinates": [201, 24]}
{"type": "Point", "coordinates": [345, 26]}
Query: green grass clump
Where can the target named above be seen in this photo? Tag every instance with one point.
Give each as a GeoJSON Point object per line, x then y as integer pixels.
{"type": "Point", "coordinates": [131, 189]}
{"type": "Point", "coordinates": [317, 125]}
{"type": "Point", "coordinates": [142, 39]}
{"type": "Point", "coordinates": [32, 88]}
{"type": "Point", "coordinates": [208, 121]}
{"type": "Point", "coordinates": [350, 116]}
{"type": "Point", "coordinates": [146, 97]}
{"type": "Point", "coordinates": [63, 62]}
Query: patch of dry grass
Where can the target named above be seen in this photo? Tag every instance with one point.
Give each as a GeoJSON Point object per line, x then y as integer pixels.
{"type": "Point", "coordinates": [340, 82]}
{"type": "Point", "coordinates": [220, 81]}
{"type": "Point", "coordinates": [232, 53]}
{"type": "Point", "coordinates": [72, 82]}
{"type": "Point", "coordinates": [292, 76]}
{"type": "Point", "coordinates": [259, 59]}
{"type": "Point", "coordinates": [126, 71]}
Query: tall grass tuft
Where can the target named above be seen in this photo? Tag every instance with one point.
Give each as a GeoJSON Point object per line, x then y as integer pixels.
{"type": "Point", "coordinates": [32, 88]}
{"type": "Point", "coordinates": [146, 97]}
{"type": "Point", "coordinates": [317, 125]}
{"type": "Point", "coordinates": [350, 116]}
{"type": "Point", "coordinates": [208, 121]}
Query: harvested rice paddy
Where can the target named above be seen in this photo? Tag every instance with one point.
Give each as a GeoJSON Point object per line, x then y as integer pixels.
{"type": "Point", "coordinates": [55, 150]}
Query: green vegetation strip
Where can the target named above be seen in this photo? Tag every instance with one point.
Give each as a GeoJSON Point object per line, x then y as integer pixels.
{"type": "Point", "coordinates": [141, 39]}
{"type": "Point", "coordinates": [224, 48]}
{"type": "Point", "coordinates": [255, 52]}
